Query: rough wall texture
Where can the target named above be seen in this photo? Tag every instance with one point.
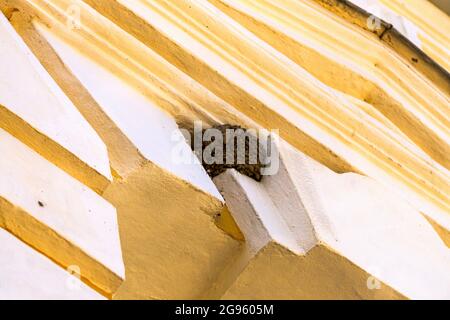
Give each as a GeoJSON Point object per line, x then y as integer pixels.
{"type": "Point", "coordinates": [102, 195]}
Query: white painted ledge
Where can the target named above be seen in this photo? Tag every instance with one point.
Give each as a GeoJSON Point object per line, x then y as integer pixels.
{"type": "Point", "coordinates": [58, 215]}
{"type": "Point", "coordinates": [372, 226]}
{"type": "Point", "coordinates": [353, 215]}
{"type": "Point", "coordinates": [254, 212]}
{"type": "Point", "coordinates": [25, 274]}
{"type": "Point", "coordinates": [149, 128]}
{"type": "Point", "coordinates": [28, 92]}
{"type": "Point", "coordinates": [402, 24]}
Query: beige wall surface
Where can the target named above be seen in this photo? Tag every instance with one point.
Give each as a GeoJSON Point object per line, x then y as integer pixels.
{"type": "Point", "coordinates": [99, 186]}
{"type": "Point", "coordinates": [442, 4]}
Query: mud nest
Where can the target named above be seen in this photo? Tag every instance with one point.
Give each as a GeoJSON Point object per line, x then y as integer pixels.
{"type": "Point", "coordinates": [254, 158]}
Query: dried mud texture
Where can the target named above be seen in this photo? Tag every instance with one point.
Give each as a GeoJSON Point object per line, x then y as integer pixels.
{"type": "Point", "coordinates": [248, 167]}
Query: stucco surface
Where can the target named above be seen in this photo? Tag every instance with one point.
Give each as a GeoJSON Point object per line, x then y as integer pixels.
{"type": "Point", "coordinates": [26, 274]}
{"type": "Point", "coordinates": [94, 173]}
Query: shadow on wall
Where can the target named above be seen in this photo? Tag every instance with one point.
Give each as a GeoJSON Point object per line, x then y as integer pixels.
{"type": "Point", "coordinates": [444, 5]}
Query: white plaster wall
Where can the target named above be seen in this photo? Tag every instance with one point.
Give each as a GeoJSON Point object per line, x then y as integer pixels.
{"type": "Point", "coordinates": [68, 207]}
{"type": "Point", "coordinates": [147, 126]}
{"type": "Point", "coordinates": [28, 91]}
{"type": "Point", "coordinates": [402, 24]}
{"type": "Point", "coordinates": [25, 274]}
